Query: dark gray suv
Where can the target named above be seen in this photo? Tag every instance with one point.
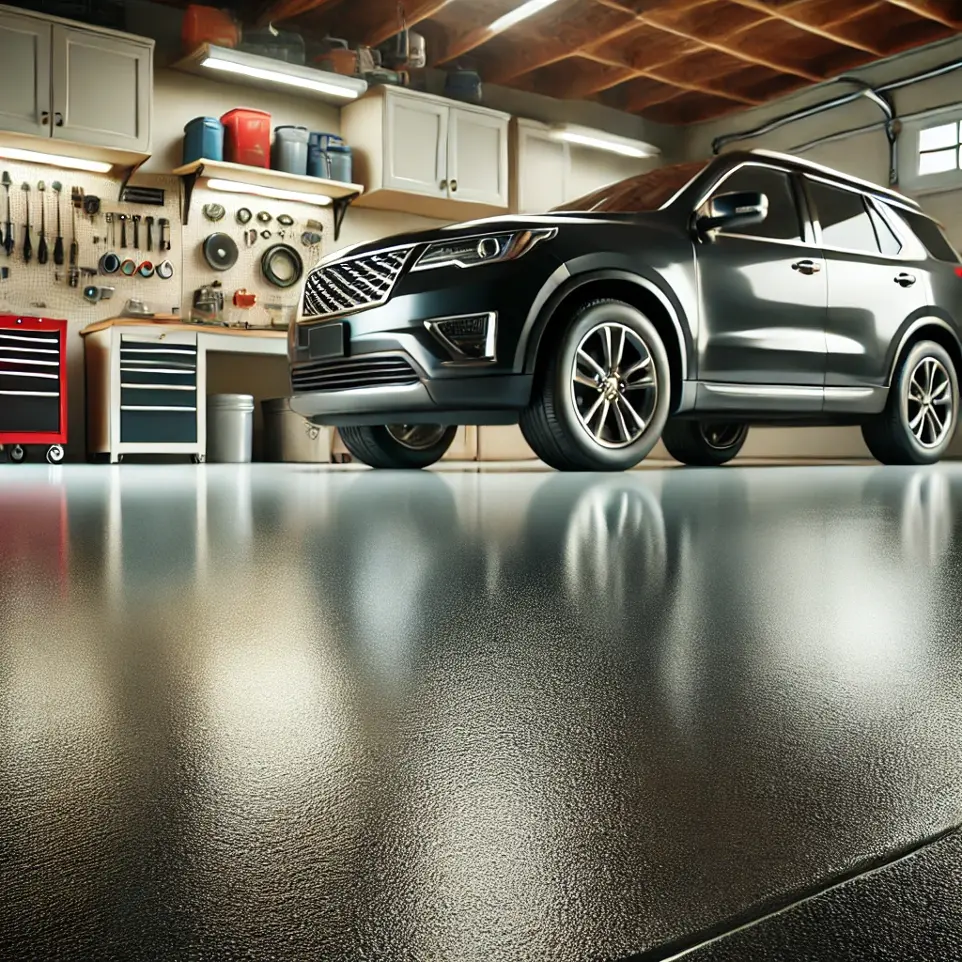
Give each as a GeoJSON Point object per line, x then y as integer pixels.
{"type": "Point", "coordinates": [685, 304]}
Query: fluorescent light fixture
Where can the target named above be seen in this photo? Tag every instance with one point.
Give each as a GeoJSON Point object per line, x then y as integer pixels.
{"type": "Point", "coordinates": [56, 160]}
{"type": "Point", "coordinates": [598, 140]}
{"type": "Point", "coordinates": [526, 10]}
{"type": "Point", "coordinates": [280, 77]}
{"type": "Point", "coordinates": [274, 193]}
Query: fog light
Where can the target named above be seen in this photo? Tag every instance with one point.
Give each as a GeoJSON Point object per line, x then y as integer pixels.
{"type": "Point", "coordinates": [467, 337]}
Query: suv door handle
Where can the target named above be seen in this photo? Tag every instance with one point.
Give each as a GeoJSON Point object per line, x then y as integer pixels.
{"type": "Point", "coordinates": [807, 267]}
{"type": "Point", "coordinates": [905, 279]}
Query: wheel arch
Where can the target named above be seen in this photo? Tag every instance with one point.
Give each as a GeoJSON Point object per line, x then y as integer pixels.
{"type": "Point", "coordinates": [927, 328]}
{"type": "Point", "coordinates": [640, 292]}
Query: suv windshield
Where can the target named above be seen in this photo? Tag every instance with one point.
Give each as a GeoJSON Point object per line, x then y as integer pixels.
{"type": "Point", "coordinates": [642, 193]}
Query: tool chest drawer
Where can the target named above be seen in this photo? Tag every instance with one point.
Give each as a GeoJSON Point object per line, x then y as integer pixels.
{"type": "Point", "coordinates": [157, 425]}
{"type": "Point", "coordinates": [139, 395]}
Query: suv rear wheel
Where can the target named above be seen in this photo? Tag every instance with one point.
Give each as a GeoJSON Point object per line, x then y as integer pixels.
{"type": "Point", "coordinates": [398, 445]}
{"type": "Point", "coordinates": [601, 396]}
{"type": "Point", "coordinates": [921, 412]}
{"type": "Point", "coordinates": [705, 443]}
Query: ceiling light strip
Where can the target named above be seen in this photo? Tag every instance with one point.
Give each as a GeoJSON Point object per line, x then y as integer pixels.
{"type": "Point", "coordinates": [55, 160]}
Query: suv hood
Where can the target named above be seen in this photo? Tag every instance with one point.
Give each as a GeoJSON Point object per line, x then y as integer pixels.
{"type": "Point", "coordinates": [487, 225]}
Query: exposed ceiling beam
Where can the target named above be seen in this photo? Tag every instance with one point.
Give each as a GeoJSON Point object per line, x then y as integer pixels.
{"type": "Point", "coordinates": [286, 9]}
{"type": "Point", "coordinates": [929, 11]}
{"type": "Point", "coordinates": [413, 14]}
{"type": "Point", "coordinates": [786, 15]}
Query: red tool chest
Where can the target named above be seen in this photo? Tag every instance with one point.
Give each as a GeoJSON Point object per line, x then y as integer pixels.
{"type": "Point", "coordinates": [33, 385]}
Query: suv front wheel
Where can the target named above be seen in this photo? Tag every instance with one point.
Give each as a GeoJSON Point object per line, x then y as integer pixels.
{"type": "Point", "coordinates": [399, 445]}
{"type": "Point", "coordinates": [601, 396]}
{"type": "Point", "coordinates": [921, 412]}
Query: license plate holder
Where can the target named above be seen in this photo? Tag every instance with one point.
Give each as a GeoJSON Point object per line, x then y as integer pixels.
{"type": "Point", "coordinates": [327, 341]}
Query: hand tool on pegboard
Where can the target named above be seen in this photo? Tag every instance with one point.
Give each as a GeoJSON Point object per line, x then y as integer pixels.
{"type": "Point", "coordinates": [8, 240]}
{"type": "Point", "coordinates": [27, 246]}
{"type": "Point", "coordinates": [42, 254]}
{"type": "Point", "coordinates": [149, 221]}
{"type": "Point", "coordinates": [58, 242]}
{"type": "Point", "coordinates": [77, 199]}
{"type": "Point", "coordinates": [136, 219]}
{"type": "Point", "coordinates": [123, 230]}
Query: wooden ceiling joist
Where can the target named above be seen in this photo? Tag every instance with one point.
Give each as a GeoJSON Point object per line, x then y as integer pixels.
{"type": "Point", "coordinates": [784, 14]}
{"type": "Point", "coordinates": [288, 10]}
{"type": "Point", "coordinates": [929, 10]}
{"type": "Point", "coordinates": [413, 14]}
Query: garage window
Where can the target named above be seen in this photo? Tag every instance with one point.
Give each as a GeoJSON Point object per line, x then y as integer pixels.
{"type": "Point", "coordinates": [940, 149]}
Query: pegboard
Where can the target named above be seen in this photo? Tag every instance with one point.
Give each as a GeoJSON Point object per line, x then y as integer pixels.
{"type": "Point", "coordinates": [246, 273]}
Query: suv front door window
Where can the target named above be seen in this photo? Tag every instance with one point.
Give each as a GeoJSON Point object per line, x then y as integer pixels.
{"type": "Point", "coordinates": [762, 293]}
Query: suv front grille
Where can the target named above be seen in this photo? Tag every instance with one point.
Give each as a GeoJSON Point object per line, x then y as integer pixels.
{"type": "Point", "coordinates": [346, 374]}
{"type": "Point", "coordinates": [353, 284]}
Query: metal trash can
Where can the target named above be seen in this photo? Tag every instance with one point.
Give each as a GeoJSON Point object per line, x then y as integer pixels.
{"type": "Point", "coordinates": [230, 428]}
{"type": "Point", "coordinates": [290, 437]}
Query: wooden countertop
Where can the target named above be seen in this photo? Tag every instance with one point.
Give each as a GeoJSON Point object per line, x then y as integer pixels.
{"type": "Point", "coordinates": [173, 322]}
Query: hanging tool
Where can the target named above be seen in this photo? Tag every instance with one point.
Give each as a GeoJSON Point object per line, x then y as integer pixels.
{"type": "Point", "coordinates": [91, 205]}
{"type": "Point", "coordinates": [250, 237]}
{"type": "Point", "coordinates": [27, 247]}
{"type": "Point", "coordinates": [77, 199]}
{"type": "Point", "coordinates": [123, 230]}
{"type": "Point", "coordinates": [58, 243]}
{"type": "Point", "coordinates": [42, 254]}
{"type": "Point", "coordinates": [136, 219]}
{"type": "Point", "coordinates": [164, 240]}
{"type": "Point", "coordinates": [8, 241]}
{"type": "Point", "coordinates": [149, 221]}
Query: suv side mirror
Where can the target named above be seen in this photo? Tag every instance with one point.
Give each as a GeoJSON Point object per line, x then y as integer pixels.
{"type": "Point", "coordinates": [736, 209]}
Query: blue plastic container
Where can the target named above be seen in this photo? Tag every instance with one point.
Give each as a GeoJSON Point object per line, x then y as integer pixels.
{"type": "Point", "coordinates": [203, 140]}
{"type": "Point", "coordinates": [339, 162]}
{"type": "Point", "coordinates": [317, 144]}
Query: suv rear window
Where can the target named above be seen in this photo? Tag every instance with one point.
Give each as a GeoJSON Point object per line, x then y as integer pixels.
{"type": "Point", "coordinates": [928, 232]}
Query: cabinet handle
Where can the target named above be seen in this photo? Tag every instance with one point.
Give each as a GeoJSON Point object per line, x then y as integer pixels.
{"type": "Point", "coordinates": [45, 118]}
{"type": "Point", "coordinates": [444, 185]}
{"type": "Point", "coordinates": [59, 118]}
{"type": "Point", "coordinates": [454, 185]}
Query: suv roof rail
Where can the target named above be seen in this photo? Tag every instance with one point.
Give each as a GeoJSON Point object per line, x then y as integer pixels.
{"type": "Point", "coordinates": [838, 175]}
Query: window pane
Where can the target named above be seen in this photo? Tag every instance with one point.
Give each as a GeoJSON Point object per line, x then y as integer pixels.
{"type": "Point", "coordinates": [887, 240]}
{"type": "Point", "coordinates": [939, 160]}
{"type": "Point", "coordinates": [844, 219]}
{"type": "Point", "coordinates": [782, 222]}
{"type": "Point", "coordinates": [945, 135]}
{"type": "Point", "coordinates": [928, 232]}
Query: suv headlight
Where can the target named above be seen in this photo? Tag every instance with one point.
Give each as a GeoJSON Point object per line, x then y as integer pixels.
{"type": "Point", "coordinates": [483, 249]}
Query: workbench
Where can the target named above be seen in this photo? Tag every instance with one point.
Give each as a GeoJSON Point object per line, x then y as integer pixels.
{"type": "Point", "coordinates": [146, 382]}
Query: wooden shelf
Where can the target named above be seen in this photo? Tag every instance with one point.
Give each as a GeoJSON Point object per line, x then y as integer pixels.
{"type": "Point", "coordinates": [441, 208]}
{"type": "Point", "coordinates": [123, 162]}
{"type": "Point", "coordinates": [264, 72]}
{"type": "Point", "coordinates": [317, 190]}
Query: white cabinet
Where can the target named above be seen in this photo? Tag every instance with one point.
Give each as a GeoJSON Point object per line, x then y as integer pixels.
{"type": "Point", "coordinates": [428, 155]}
{"type": "Point", "coordinates": [25, 55]}
{"type": "Point", "coordinates": [75, 83]}
{"type": "Point", "coordinates": [540, 168]}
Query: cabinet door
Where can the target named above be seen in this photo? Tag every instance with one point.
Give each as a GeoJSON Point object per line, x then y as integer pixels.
{"type": "Point", "coordinates": [25, 55]}
{"type": "Point", "coordinates": [542, 171]}
{"type": "Point", "coordinates": [478, 157]}
{"type": "Point", "coordinates": [101, 89]}
{"type": "Point", "coordinates": [416, 133]}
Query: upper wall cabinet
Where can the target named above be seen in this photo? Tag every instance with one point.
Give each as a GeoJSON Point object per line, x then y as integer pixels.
{"type": "Point", "coordinates": [428, 155]}
{"type": "Point", "coordinates": [70, 82]}
{"type": "Point", "coordinates": [540, 168]}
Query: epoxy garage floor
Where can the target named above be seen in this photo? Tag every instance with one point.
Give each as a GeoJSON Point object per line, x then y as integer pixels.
{"type": "Point", "coordinates": [284, 713]}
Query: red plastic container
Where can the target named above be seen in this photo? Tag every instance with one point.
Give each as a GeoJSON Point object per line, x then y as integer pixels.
{"type": "Point", "coordinates": [207, 25]}
{"type": "Point", "coordinates": [247, 137]}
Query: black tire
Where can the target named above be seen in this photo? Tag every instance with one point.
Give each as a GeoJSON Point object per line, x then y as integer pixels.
{"type": "Point", "coordinates": [704, 443]}
{"type": "Point", "coordinates": [379, 446]}
{"type": "Point", "coordinates": [890, 436]}
{"type": "Point", "coordinates": [552, 422]}
{"type": "Point", "coordinates": [17, 454]}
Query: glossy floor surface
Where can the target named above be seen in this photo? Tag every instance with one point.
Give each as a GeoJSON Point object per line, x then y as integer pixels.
{"type": "Point", "coordinates": [278, 712]}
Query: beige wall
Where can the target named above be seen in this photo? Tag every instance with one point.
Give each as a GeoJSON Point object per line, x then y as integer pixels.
{"type": "Point", "coordinates": [863, 155]}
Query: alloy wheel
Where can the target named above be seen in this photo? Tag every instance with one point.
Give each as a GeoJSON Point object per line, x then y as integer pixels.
{"type": "Point", "coordinates": [417, 437]}
{"type": "Point", "coordinates": [721, 435]}
{"type": "Point", "coordinates": [929, 402]}
{"type": "Point", "coordinates": [614, 385]}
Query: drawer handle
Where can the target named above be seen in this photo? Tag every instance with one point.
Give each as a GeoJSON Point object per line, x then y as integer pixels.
{"type": "Point", "coordinates": [157, 407]}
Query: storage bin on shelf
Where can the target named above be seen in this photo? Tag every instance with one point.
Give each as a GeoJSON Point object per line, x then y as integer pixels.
{"type": "Point", "coordinates": [203, 24]}
{"type": "Point", "coordinates": [339, 163]}
{"type": "Point", "coordinates": [247, 137]}
{"type": "Point", "coordinates": [203, 140]}
{"type": "Point", "coordinates": [329, 157]}
{"type": "Point", "coordinates": [289, 152]}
